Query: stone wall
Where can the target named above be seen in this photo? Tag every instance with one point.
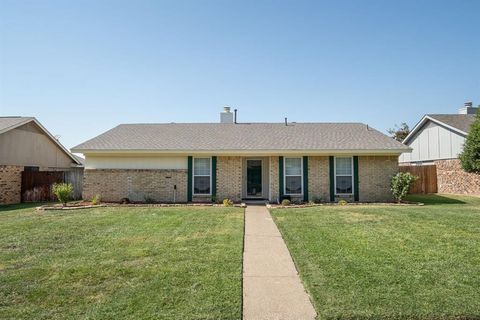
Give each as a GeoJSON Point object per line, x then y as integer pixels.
{"type": "Point", "coordinates": [318, 178]}
{"type": "Point", "coordinates": [10, 184]}
{"type": "Point", "coordinates": [136, 185]}
{"type": "Point", "coordinates": [229, 178]}
{"type": "Point", "coordinates": [374, 177]}
{"type": "Point", "coordinates": [451, 178]}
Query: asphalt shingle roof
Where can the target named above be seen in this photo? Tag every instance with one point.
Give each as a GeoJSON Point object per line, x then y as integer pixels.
{"type": "Point", "coordinates": [7, 122]}
{"type": "Point", "coordinates": [240, 137]}
{"type": "Point", "coordinates": [459, 121]}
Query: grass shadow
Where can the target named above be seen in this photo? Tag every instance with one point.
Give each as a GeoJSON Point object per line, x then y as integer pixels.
{"type": "Point", "coordinates": [434, 199]}
{"type": "Point", "coordinates": [20, 206]}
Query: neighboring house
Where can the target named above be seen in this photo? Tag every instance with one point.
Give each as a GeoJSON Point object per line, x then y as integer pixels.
{"type": "Point", "coordinates": [212, 161]}
{"type": "Point", "coordinates": [438, 139]}
{"type": "Point", "coordinates": [26, 145]}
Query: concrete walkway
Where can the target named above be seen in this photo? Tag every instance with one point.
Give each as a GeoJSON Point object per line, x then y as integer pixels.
{"type": "Point", "coordinates": [271, 286]}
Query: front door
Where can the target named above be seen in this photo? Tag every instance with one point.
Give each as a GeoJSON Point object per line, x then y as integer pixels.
{"type": "Point", "coordinates": [254, 178]}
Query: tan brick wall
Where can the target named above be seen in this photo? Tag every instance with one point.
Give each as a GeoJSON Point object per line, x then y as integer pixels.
{"type": "Point", "coordinates": [10, 184]}
{"type": "Point", "coordinates": [229, 178]}
{"type": "Point", "coordinates": [375, 173]}
{"type": "Point", "coordinates": [451, 178]}
{"type": "Point", "coordinates": [318, 178]}
{"type": "Point", "coordinates": [115, 184]}
{"type": "Point", "coordinates": [274, 183]}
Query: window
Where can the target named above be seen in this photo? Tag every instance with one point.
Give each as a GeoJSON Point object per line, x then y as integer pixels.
{"type": "Point", "coordinates": [202, 176]}
{"type": "Point", "coordinates": [293, 176]}
{"type": "Point", "coordinates": [344, 175]}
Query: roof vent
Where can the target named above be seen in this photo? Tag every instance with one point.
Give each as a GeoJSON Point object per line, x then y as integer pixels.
{"type": "Point", "coordinates": [468, 108]}
{"type": "Point", "coordinates": [226, 116]}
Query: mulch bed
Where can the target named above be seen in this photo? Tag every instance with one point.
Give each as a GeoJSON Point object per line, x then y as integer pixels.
{"type": "Point", "coordinates": [88, 205]}
{"type": "Point", "coordinates": [308, 205]}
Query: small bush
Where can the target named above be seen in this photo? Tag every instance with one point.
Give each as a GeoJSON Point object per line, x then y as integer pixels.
{"type": "Point", "coordinates": [343, 202]}
{"type": "Point", "coordinates": [400, 184]}
{"type": "Point", "coordinates": [317, 200]}
{"type": "Point", "coordinates": [63, 192]}
{"type": "Point", "coordinates": [148, 199]}
{"type": "Point", "coordinates": [96, 199]}
{"type": "Point", "coordinates": [227, 202]}
{"type": "Point", "coordinates": [125, 201]}
{"type": "Point", "coordinates": [286, 202]}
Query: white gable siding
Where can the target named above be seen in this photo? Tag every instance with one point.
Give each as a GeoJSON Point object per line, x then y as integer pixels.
{"type": "Point", "coordinates": [125, 162]}
{"type": "Point", "coordinates": [434, 142]}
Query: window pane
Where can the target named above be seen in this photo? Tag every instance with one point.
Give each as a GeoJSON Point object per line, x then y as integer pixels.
{"type": "Point", "coordinates": [344, 185]}
{"type": "Point", "coordinates": [293, 166]}
{"type": "Point", "coordinates": [201, 185]}
{"type": "Point", "coordinates": [293, 185]}
{"type": "Point", "coordinates": [202, 166]}
{"type": "Point", "coordinates": [344, 166]}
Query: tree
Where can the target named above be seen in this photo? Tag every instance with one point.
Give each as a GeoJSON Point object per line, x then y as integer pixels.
{"type": "Point", "coordinates": [470, 156]}
{"type": "Point", "coordinates": [399, 133]}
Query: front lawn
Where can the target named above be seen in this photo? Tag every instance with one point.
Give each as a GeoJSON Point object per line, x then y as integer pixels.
{"type": "Point", "coordinates": [388, 261]}
{"type": "Point", "coordinates": [119, 263]}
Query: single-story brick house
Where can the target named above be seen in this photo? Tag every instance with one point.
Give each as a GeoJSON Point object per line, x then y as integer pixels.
{"type": "Point", "coordinates": [178, 162]}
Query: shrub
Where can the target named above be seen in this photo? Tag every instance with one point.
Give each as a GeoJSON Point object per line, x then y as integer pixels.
{"type": "Point", "coordinates": [401, 183]}
{"type": "Point", "coordinates": [470, 157]}
{"type": "Point", "coordinates": [63, 192]}
{"type": "Point", "coordinates": [148, 199]}
{"type": "Point", "coordinates": [343, 202]}
{"type": "Point", "coordinates": [317, 200]}
{"type": "Point", "coordinates": [96, 199]}
{"type": "Point", "coordinates": [227, 202]}
{"type": "Point", "coordinates": [286, 202]}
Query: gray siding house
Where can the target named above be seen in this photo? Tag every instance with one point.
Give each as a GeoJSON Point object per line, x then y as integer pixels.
{"type": "Point", "coordinates": [439, 136]}
{"type": "Point", "coordinates": [438, 139]}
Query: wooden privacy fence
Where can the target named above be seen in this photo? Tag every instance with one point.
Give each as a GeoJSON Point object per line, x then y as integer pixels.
{"type": "Point", "coordinates": [37, 185]}
{"type": "Point", "coordinates": [75, 177]}
{"type": "Point", "coordinates": [426, 178]}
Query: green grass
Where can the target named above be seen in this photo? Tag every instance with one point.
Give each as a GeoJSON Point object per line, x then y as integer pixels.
{"type": "Point", "coordinates": [121, 263]}
{"type": "Point", "coordinates": [397, 262]}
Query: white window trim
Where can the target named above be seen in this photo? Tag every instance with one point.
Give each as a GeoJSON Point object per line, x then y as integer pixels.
{"type": "Point", "coordinates": [201, 175]}
{"type": "Point", "coordinates": [285, 176]}
{"type": "Point", "coordinates": [343, 175]}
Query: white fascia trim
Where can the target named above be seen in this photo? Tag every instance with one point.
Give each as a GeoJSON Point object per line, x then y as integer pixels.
{"type": "Point", "coordinates": [424, 120]}
{"type": "Point", "coordinates": [273, 152]}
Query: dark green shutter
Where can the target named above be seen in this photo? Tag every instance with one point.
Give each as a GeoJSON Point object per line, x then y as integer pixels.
{"type": "Point", "coordinates": [214, 177]}
{"type": "Point", "coordinates": [332, 178]}
{"type": "Point", "coordinates": [356, 194]}
{"type": "Point", "coordinates": [190, 179]}
{"type": "Point", "coordinates": [305, 178]}
{"type": "Point", "coordinates": [280, 178]}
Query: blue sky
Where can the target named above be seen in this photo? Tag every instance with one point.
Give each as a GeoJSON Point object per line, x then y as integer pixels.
{"type": "Point", "coordinates": [82, 67]}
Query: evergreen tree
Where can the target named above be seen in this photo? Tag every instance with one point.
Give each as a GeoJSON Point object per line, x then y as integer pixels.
{"type": "Point", "coordinates": [470, 157]}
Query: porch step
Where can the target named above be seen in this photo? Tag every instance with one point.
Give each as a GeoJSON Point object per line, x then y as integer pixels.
{"type": "Point", "coordinates": [255, 201]}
